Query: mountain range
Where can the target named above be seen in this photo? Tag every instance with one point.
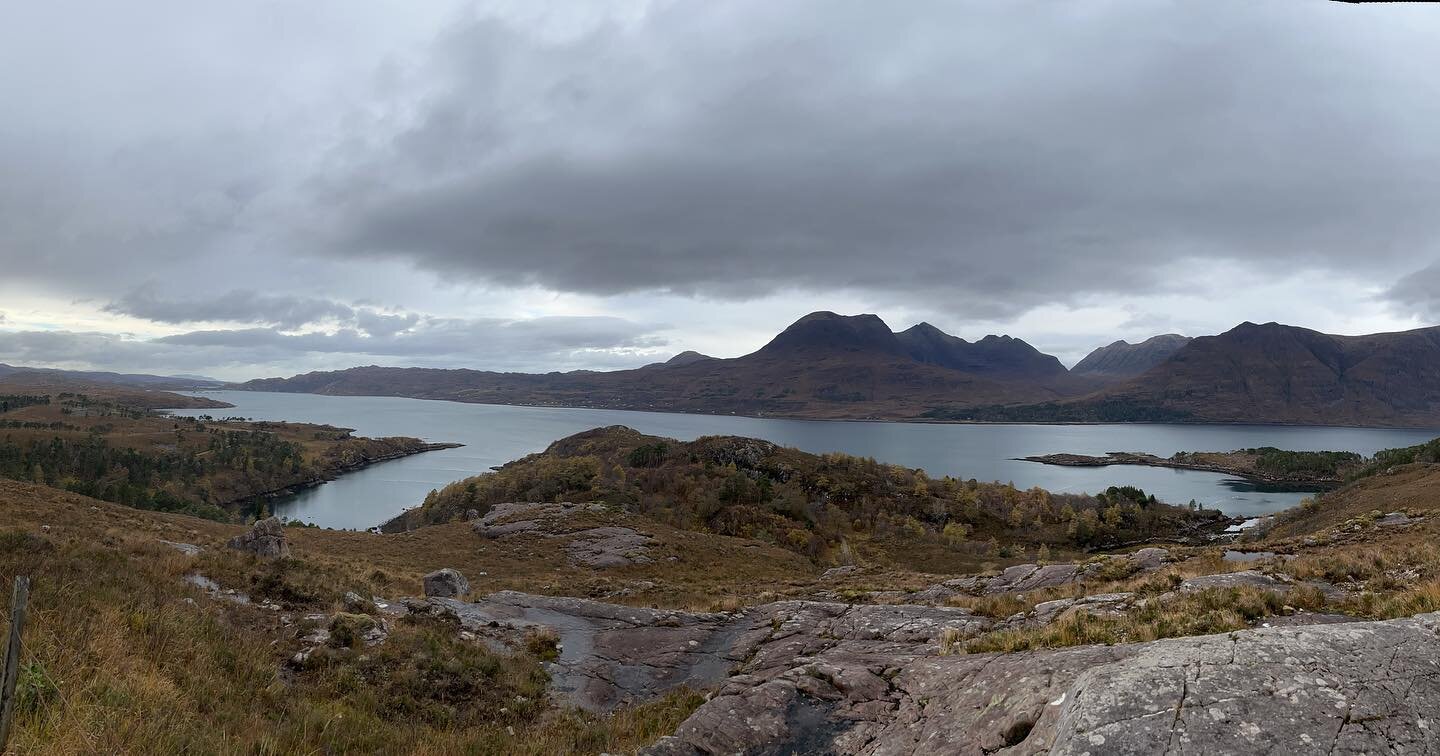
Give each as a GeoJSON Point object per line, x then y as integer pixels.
{"type": "Point", "coordinates": [855, 367]}
{"type": "Point", "coordinates": [13, 374]}
{"type": "Point", "coordinates": [833, 366]}
{"type": "Point", "coordinates": [823, 366]}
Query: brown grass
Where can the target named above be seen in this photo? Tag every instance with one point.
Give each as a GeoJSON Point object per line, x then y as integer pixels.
{"type": "Point", "coordinates": [122, 656]}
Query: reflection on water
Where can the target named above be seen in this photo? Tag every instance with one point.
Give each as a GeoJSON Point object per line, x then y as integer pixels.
{"type": "Point", "coordinates": [496, 434]}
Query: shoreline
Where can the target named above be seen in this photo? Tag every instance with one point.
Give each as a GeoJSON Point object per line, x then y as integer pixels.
{"type": "Point", "coordinates": [1139, 459]}
{"type": "Point", "coordinates": [334, 473]}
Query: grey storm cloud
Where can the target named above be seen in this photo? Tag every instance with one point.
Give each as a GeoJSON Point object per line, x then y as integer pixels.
{"type": "Point", "coordinates": [1418, 292]}
{"type": "Point", "coordinates": [986, 156]}
{"type": "Point", "coordinates": [491, 339]}
{"type": "Point", "coordinates": [237, 306]}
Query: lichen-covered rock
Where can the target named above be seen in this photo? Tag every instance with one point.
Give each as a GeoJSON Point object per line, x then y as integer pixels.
{"type": "Point", "coordinates": [266, 538]}
{"type": "Point", "coordinates": [446, 583]}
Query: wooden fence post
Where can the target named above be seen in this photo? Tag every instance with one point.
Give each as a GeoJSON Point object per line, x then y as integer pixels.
{"type": "Point", "coordinates": [18, 603]}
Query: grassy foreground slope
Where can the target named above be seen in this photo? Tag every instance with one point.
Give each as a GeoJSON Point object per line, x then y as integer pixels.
{"type": "Point", "coordinates": [122, 655]}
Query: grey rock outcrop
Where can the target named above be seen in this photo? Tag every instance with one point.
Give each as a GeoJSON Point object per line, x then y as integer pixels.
{"type": "Point", "coordinates": [446, 583]}
{"type": "Point", "coordinates": [266, 538]}
{"type": "Point", "coordinates": [597, 547]}
{"type": "Point", "coordinates": [613, 654]}
{"type": "Point", "coordinates": [1364, 687]}
{"type": "Point", "coordinates": [1281, 584]}
{"type": "Point", "coordinates": [815, 677]}
{"type": "Point", "coordinates": [608, 547]}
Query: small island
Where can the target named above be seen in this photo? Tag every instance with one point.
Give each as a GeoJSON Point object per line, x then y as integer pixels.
{"type": "Point", "coordinates": [1265, 464]}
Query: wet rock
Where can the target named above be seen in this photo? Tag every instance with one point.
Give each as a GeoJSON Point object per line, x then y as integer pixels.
{"type": "Point", "coordinates": [266, 538]}
{"type": "Point", "coordinates": [446, 583]}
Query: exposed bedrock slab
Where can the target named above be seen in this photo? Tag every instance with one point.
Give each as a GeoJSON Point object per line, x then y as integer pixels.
{"type": "Point", "coordinates": [809, 677]}
{"type": "Point", "coordinates": [611, 654]}
{"type": "Point", "coordinates": [1365, 687]}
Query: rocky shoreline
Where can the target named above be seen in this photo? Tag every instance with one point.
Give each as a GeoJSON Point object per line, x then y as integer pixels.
{"type": "Point", "coordinates": [1319, 482]}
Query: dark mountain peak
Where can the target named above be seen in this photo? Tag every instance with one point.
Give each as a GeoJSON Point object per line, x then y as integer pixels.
{"type": "Point", "coordinates": [1121, 359]}
{"type": "Point", "coordinates": [826, 331]}
{"type": "Point", "coordinates": [1006, 341]}
{"type": "Point", "coordinates": [687, 357]}
{"type": "Point", "coordinates": [1000, 356]}
{"type": "Point", "coordinates": [929, 331]}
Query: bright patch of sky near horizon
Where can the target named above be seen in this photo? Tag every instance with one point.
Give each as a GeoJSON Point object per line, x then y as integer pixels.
{"type": "Point", "coordinates": [269, 188]}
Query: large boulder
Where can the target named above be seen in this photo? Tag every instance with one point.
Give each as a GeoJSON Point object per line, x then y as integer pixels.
{"type": "Point", "coordinates": [446, 583]}
{"type": "Point", "coordinates": [266, 538]}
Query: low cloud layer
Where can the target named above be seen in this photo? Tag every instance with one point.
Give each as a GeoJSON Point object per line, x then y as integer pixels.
{"type": "Point", "coordinates": [538, 345]}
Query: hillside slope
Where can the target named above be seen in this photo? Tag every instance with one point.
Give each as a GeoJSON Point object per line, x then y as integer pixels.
{"type": "Point", "coordinates": [1283, 374]}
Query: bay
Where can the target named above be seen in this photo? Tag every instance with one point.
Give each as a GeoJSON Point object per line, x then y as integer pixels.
{"type": "Point", "coordinates": [495, 434]}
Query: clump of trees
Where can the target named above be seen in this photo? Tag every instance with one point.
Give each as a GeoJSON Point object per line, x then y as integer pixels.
{"type": "Point", "coordinates": [162, 480]}
{"type": "Point", "coordinates": [806, 502]}
{"type": "Point", "coordinates": [1428, 452]}
{"type": "Point", "coordinates": [1318, 463]}
{"type": "Point", "coordinates": [10, 402]}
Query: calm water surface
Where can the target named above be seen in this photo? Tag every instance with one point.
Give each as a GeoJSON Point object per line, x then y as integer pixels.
{"type": "Point", "coordinates": [495, 434]}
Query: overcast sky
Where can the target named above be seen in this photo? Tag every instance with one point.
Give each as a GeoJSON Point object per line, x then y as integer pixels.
{"type": "Point", "coordinates": [271, 187]}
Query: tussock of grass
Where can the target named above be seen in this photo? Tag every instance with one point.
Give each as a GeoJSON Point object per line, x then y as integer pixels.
{"type": "Point", "coordinates": [1215, 610]}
